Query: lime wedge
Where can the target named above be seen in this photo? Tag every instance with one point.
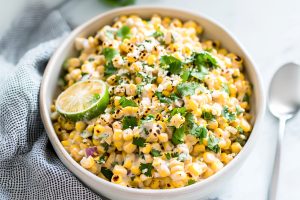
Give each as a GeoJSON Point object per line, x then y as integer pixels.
{"type": "Point", "coordinates": [83, 101]}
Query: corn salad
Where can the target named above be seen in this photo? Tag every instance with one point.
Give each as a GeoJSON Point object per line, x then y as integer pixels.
{"type": "Point", "coordinates": [179, 105]}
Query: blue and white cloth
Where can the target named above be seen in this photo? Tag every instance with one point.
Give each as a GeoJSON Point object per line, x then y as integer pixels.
{"type": "Point", "coordinates": [29, 167]}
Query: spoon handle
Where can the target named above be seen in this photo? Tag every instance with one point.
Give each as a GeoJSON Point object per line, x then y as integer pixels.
{"type": "Point", "coordinates": [273, 195]}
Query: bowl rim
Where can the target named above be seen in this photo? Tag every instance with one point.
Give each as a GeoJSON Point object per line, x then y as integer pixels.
{"type": "Point", "coordinates": [62, 152]}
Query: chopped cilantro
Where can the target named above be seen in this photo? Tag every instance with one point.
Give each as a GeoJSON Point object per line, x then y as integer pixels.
{"type": "Point", "coordinates": [200, 73]}
{"type": "Point", "coordinates": [123, 32]}
{"type": "Point", "coordinates": [146, 168]}
{"type": "Point", "coordinates": [213, 143]}
{"type": "Point", "coordinates": [207, 115]}
{"type": "Point", "coordinates": [139, 141]}
{"type": "Point", "coordinates": [105, 146]}
{"type": "Point", "coordinates": [191, 181]}
{"type": "Point", "coordinates": [186, 89]}
{"type": "Point", "coordinates": [227, 114]}
{"type": "Point", "coordinates": [129, 122]}
{"type": "Point", "coordinates": [175, 111]}
{"type": "Point", "coordinates": [171, 155]}
{"type": "Point", "coordinates": [199, 132]}
{"type": "Point", "coordinates": [225, 88]}
{"type": "Point", "coordinates": [175, 65]}
{"type": "Point", "coordinates": [162, 98]}
{"type": "Point", "coordinates": [205, 59]}
{"type": "Point", "coordinates": [109, 69]}
{"type": "Point", "coordinates": [109, 53]}
{"type": "Point", "coordinates": [139, 89]}
{"type": "Point", "coordinates": [240, 130]}
{"type": "Point", "coordinates": [185, 75]}
{"type": "Point", "coordinates": [102, 159]}
{"type": "Point", "coordinates": [146, 78]}
{"type": "Point", "coordinates": [191, 127]}
{"type": "Point", "coordinates": [158, 33]}
{"type": "Point", "coordinates": [148, 118]}
{"type": "Point", "coordinates": [178, 136]}
{"type": "Point", "coordinates": [107, 173]}
{"type": "Point", "coordinates": [239, 110]}
{"type": "Point", "coordinates": [126, 102]}
{"type": "Point", "coordinates": [155, 153]}
{"type": "Point", "coordinates": [246, 98]}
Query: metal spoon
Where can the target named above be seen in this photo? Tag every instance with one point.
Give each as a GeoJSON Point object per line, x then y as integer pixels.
{"type": "Point", "coordinates": [284, 93]}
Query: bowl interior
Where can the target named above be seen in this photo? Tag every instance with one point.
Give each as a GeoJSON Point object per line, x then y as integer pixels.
{"type": "Point", "coordinates": [49, 88]}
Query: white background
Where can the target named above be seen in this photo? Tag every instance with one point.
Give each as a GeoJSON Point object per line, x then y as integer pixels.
{"type": "Point", "coordinates": [270, 31]}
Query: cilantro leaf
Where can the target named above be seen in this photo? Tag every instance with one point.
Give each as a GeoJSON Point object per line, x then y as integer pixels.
{"type": "Point", "coordinates": [129, 122]}
{"type": "Point", "coordinates": [126, 102]}
{"type": "Point", "coordinates": [148, 118]}
{"type": "Point", "coordinates": [162, 98]}
{"type": "Point", "coordinates": [239, 110]}
{"type": "Point", "coordinates": [181, 110]}
{"type": "Point", "coordinates": [213, 143]}
{"type": "Point", "coordinates": [200, 73]}
{"type": "Point", "coordinates": [205, 59]}
{"type": "Point", "coordinates": [225, 88]}
{"type": "Point", "coordinates": [171, 155]}
{"type": "Point", "coordinates": [207, 115]}
{"type": "Point", "coordinates": [102, 159]}
{"type": "Point", "coordinates": [227, 114]}
{"type": "Point", "coordinates": [158, 33]}
{"type": "Point", "coordinates": [123, 32]}
{"type": "Point", "coordinates": [185, 75]}
{"type": "Point", "coordinates": [178, 136]}
{"type": "Point", "coordinates": [175, 65]}
{"type": "Point", "coordinates": [246, 98]}
{"type": "Point", "coordinates": [146, 78]}
{"type": "Point", "coordinates": [155, 153]}
{"type": "Point", "coordinates": [186, 89]}
{"type": "Point", "coordinates": [139, 141]}
{"type": "Point", "coordinates": [109, 69]}
{"type": "Point", "coordinates": [199, 132]}
{"type": "Point", "coordinates": [146, 168]}
{"type": "Point", "coordinates": [109, 53]}
{"type": "Point", "coordinates": [107, 173]}
{"type": "Point", "coordinates": [193, 129]}
{"type": "Point", "coordinates": [191, 181]}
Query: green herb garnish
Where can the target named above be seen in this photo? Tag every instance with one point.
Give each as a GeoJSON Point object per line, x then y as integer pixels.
{"type": "Point", "coordinates": [155, 153]}
{"type": "Point", "coordinates": [213, 143]}
{"type": "Point", "coordinates": [186, 89]}
{"type": "Point", "coordinates": [205, 59]}
{"type": "Point", "coordinates": [146, 168]}
{"type": "Point", "coordinates": [185, 75]}
{"type": "Point", "coordinates": [123, 32]}
{"type": "Point", "coordinates": [227, 114]}
{"type": "Point", "coordinates": [109, 69]}
{"type": "Point", "coordinates": [126, 102]}
{"type": "Point", "coordinates": [178, 136]}
{"type": "Point", "coordinates": [139, 141]}
{"type": "Point", "coordinates": [208, 116]}
{"type": "Point", "coordinates": [109, 53]}
{"type": "Point", "coordinates": [107, 173]}
{"type": "Point", "coordinates": [191, 181]}
{"type": "Point", "coordinates": [129, 122]}
{"type": "Point", "coordinates": [174, 65]}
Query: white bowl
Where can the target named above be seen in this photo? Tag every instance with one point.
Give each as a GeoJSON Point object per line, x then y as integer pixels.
{"type": "Point", "coordinates": [204, 189]}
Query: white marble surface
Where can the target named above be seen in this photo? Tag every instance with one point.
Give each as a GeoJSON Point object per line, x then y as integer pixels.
{"type": "Point", "coordinates": [270, 31]}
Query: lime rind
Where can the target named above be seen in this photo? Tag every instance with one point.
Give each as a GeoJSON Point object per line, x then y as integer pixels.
{"type": "Point", "coordinates": [85, 111]}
